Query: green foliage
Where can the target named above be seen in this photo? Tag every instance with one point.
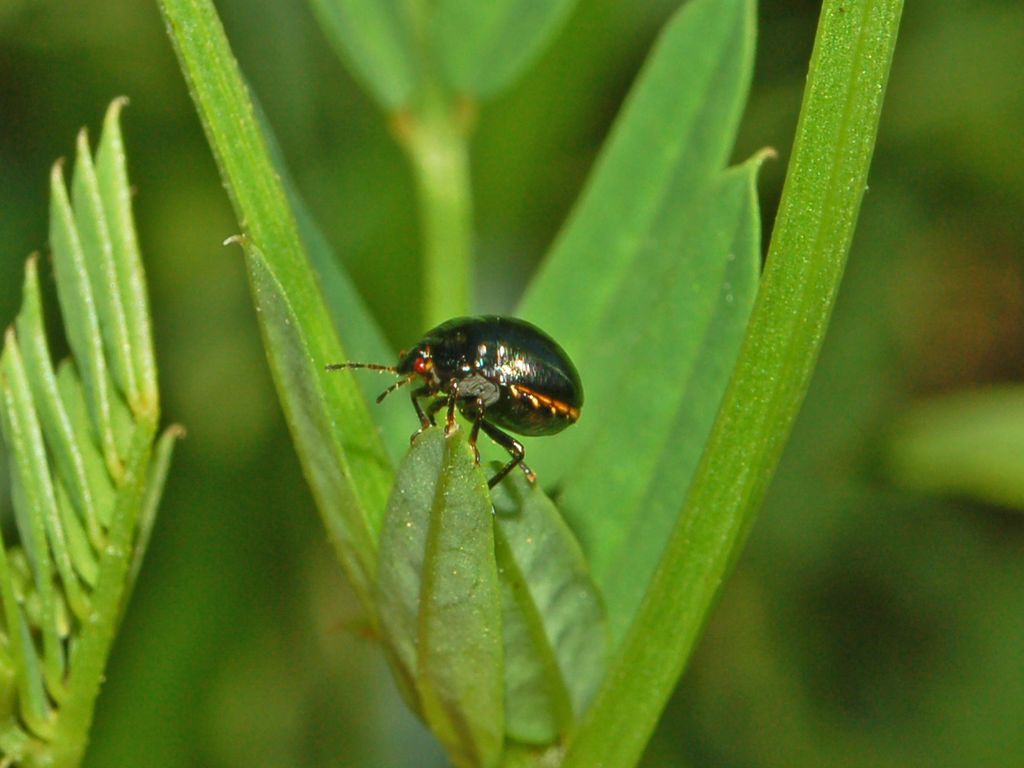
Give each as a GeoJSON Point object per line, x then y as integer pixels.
{"type": "Point", "coordinates": [438, 597]}
{"type": "Point", "coordinates": [553, 618]}
{"type": "Point", "coordinates": [810, 242]}
{"type": "Point", "coordinates": [344, 459]}
{"type": "Point", "coordinates": [428, 63]}
{"type": "Point", "coordinates": [650, 287]}
{"type": "Point", "coordinates": [653, 299]}
{"type": "Point", "coordinates": [376, 39]}
{"type": "Point", "coordinates": [404, 50]}
{"type": "Point", "coordinates": [338, 463]}
{"type": "Point", "coordinates": [531, 659]}
{"type": "Point", "coordinates": [85, 474]}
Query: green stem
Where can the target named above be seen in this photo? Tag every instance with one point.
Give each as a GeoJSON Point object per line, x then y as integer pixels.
{"type": "Point", "coordinates": [821, 199]}
{"type": "Point", "coordinates": [434, 133]}
{"type": "Point", "coordinates": [435, 140]}
{"type": "Point", "coordinates": [90, 654]}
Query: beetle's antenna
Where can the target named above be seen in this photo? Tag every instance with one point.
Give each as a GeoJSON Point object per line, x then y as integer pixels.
{"type": "Point", "coordinates": [393, 387]}
{"type": "Point", "coordinates": [374, 367]}
{"type": "Point", "coordinates": [370, 366]}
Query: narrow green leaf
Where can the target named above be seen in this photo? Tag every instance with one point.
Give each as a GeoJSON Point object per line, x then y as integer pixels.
{"type": "Point", "coordinates": [485, 46]}
{"type": "Point", "coordinates": [78, 457]}
{"type": "Point", "coordinates": [122, 421]}
{"type": "Point", "coordinates": [61, 438]}
{"type": "Point", "coordinates": [347, 467]}
{"type": "Point", "coordinates": [824, 186]}
{"type": "Point", "coordinates": [670, 246]}
{"type": "Point", "coordinates": [35, 506]}
{"type": "Point", "coordinates": [376, 39]}
{"type": "Point", "coordinates": [969, 443]}
{"type": "Point", "coordinates": [439, 599]}
{"type": "Point", "coordinates": [353, 321]}
{"type": "Point", "coordinates": [673, 136]}
{"type": "Point", "coordinates": [80, 317]}
{"type": "Point", "coordinates": [116, 193]}
{"type": "Point", "coordinates": [83, 557]}
{"type": "Point", "coordinates": [459, 641]}
{"type": "Point", "coordinates": [403, 544]}
{"type": "Point", "coordinates": [356, 326]}
{"type": "Point", "coordinates": [94, 232]}
{"type": "Point", "coordinates": [556, 639]}
{"type": "Point", "coordinates": [658, 405]}
{"type": "Point", "coordinates": [337, 461]}
{"type": "Point", "coordinates": [72, 396]}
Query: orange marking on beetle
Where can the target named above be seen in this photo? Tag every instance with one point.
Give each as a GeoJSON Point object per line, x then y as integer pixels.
{"type": "Point", "coordinates": [537, 400]}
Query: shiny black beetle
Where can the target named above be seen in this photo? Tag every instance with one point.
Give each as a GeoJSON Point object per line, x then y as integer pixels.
{"type": "Point", "coordinates": [500, 372]}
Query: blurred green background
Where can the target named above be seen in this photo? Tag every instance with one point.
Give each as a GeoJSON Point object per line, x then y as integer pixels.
{"type": "Point", "coordinates": [864, 625]}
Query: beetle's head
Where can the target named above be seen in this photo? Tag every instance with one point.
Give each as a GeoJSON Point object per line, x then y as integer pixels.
{"type": "Point", "coordinates": [418, 361]}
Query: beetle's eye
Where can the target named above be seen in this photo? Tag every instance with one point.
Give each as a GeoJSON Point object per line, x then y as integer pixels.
{"type": "Point", "coordinates": [422, 365]}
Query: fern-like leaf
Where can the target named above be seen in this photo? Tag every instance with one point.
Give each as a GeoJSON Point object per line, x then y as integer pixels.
{"type": "Point", "coordinates": [86, 468]}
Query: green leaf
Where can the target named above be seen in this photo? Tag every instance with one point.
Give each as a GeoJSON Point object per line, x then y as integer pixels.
{"type": "Point", "coordinates": [670, 247]}
{"type": "Point", "coordinates": [376, 38]}
{"type": "Point", "coordinates": [364, 339]}
{"type": "Point", "coordinates": [78, 304]}
{"type": "Point", "coordinates": [42, 515]}
{"type": "Point", "coordinates": [116, 196]}
{"type": "Point", "coordinates": [971, 443]}
{"type": "Point", "coordinates": [79, 465]}
{"type": "Point", "coordinates": [653, 448]}
{"type": "Point", "coordinates": [481, 48]}
{"type": "Point", "coordinates": [485, 46]}
{"type": "Point", "coordinates": [80, 550]}
{"type": "Point", "coordinates": [821, 198]}
{"type": "Point", "coordinates": [672, 137]}
{"type": "Point", "coordinates": [78, 447]}
{"type": "Point", "coordinates": [556, 639]}
{"type": "Point", "coordinates": [100, 484]}
{"type": "Point", "coordinates": [95, 236]}
{"type": "Point", "coordinates": [336, 440]}
{"type": "Point", "coordinates": [35, 506]}
{"type": "Point", "coordinates": [316, 402]}
{"type": "Point", "coordinates": [439, 597]}
{"type": "Point", "coordinates": [403, 543]}
{"type": "Point", "coordinates": [33, 707]}
{"type": "Point", "coordinates": [390, 47]}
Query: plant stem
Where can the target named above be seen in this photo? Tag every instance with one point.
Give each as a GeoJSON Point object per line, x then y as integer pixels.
{"type": "Point", "coordinates": [89, 656]}
{"type": "Point", "coordinates": [434, 133]}
{"type": "Point", "coordinates": [435, 140]}
{"type": "Point", "coordinates": [821, 199]}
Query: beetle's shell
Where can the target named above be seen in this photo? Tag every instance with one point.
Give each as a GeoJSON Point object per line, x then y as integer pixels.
{"type": "Point", "coordinates": [538, 389]}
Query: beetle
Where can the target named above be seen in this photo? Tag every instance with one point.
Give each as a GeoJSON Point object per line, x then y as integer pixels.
{"type": "Point", "coordinates": [501, 373]}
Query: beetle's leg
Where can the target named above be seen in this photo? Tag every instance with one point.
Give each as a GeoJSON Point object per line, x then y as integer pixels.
{"type": "Point", "coordinates": [478, 418]}
{"type": "Point", "coordinates": [449, 425]}
{"type": "Point", "coordinates": [426, 418]}
{"type": "Point", "coordinates": [514, 447]}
